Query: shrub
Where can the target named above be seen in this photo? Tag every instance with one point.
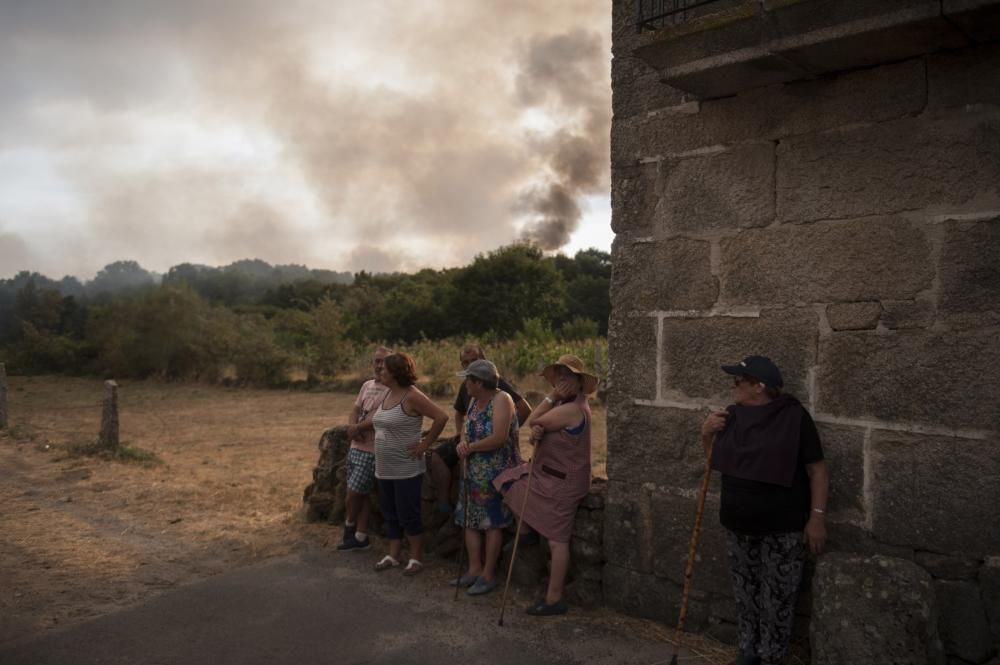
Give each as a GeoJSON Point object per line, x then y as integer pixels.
{"type": "Point", "coordinates": [255, 355]}
{"type": "Point", "coordinates": [579, 329]}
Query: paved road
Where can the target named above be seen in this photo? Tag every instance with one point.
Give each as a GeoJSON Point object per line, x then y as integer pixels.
{"type": "Point", "coordinates": [321, 607]}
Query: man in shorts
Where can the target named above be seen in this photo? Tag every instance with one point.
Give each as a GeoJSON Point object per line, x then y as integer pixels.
{"type": "Point", "coordinates": [445, 457]}
{"type": "Point", "coordinates": [361, 457]}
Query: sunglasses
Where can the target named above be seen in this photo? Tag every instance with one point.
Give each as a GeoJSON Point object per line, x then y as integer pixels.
{"type": "Point", "coordinates": [737, 380]}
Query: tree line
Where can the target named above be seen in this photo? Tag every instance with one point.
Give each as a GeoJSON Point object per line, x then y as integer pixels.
{"type": "Point", "coordinates": [260, 321]}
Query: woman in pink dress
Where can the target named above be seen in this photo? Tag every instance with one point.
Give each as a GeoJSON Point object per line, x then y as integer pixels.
{"type": "Point", "coordinates": [560, 432]}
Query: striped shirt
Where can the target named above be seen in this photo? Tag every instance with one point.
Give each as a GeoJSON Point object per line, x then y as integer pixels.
{"type": "Point", "coordinates": [396, 435]}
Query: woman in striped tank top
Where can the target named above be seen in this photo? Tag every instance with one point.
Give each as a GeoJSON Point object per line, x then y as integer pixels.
{"type": "Point", "coordinates": [399, 457]}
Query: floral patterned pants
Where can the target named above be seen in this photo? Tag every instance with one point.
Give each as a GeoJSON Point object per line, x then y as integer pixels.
{"type": "Point", "coordinates": [766, 573]}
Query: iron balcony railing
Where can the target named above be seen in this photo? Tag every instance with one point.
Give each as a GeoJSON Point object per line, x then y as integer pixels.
{"type": "Point", "coordinates": [656, 14]}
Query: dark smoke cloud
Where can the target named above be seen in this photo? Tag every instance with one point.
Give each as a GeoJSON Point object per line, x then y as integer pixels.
{"type": "Point", "coordinates": [555, 215]}
{"type": "Point", "coordinates": [422, 163]}
{"type": "Point", "coordinates": [564, 66]}
{"type": "Point", "coordinates": [558, 72]}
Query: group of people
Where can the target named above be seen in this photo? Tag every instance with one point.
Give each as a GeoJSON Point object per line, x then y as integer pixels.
{"type": "Point", "coordinates": [495, 483]}
{"type": "Point", "coordinates": [766, 446]}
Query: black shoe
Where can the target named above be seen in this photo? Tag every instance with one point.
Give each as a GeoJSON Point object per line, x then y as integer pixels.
{"type": "Point", "coordinates": [354, 545]}
{"type": "Point", "coordinates": [744, 659]}
{"type": "Point", "coordinates": [541, 609]}
{"type": "Point", "coordinates": [349, 532]}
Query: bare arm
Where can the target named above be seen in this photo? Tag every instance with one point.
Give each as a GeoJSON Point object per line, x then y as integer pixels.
{"type": "Point", "coordinates": [543, 407]}
{"type": "Point", "coordinates": [555, 412]}
{"type": "Point", "coordinates": [366, 425]}
{"type": "Point", "coordinates": [819, 490]}
{"type": "Point", "coordinates": [503, 415]}
{"type": "Point", "coordinates": [420, 404]}
{"type": "Point", "coordinates": [352, 419]}
{"type": "Point", "coordinates": [558, 417]}
{"type": "Point", "coordinates": [353, 430]}
{"type": "Point", "coordinates": [548, 414]}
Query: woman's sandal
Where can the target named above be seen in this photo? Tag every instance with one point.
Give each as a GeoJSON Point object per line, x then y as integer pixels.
{"type": "Point", "coordinates": [544, 610]}
{"type": "Point", "coordinates": [412, 568]}
{"type": "Point", "coordinates": [386, 563]}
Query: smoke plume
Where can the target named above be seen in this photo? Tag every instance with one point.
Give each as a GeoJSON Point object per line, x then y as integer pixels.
{"type": "Point", "coordinates": [341, 135]}
{"type": "Point", "coordinates": [556, 73]}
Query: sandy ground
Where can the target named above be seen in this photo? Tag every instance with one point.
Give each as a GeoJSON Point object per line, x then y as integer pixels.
{"type": "Point", "coordinates": [81, 537]}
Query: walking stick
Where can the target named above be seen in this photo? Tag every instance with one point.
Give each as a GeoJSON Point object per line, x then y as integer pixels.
{"type": "Point", "coordinates": [465, 525]}
{"type": "Point", "coordinates": [693, 548]}
{"type": "Point", "coordinates": [517, 537]}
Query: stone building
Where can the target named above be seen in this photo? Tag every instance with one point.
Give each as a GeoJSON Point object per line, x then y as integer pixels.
{"type": "Point", "coordinates": [817, 181]}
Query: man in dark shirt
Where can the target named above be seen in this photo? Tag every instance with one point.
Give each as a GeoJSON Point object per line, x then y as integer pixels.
{"type": "Point", "coordinates": [773, 501]}
{"type": "Point", "coordinates": [445, 458]}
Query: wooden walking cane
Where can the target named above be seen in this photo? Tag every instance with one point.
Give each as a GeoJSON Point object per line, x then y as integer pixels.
{"type": "Point", "coordinates": [517, 537]}
{"type": "Point", "coordinates": [693, 546]}
{"type": "Point", "coordinates": [465, 525]}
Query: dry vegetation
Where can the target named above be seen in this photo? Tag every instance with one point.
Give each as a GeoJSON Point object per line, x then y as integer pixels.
{"type": "Point", "coordinates": [83, 536]}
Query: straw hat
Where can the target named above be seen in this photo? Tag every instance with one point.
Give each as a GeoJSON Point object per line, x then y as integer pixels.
{"type": "Point", "coordinates": [575, 365]}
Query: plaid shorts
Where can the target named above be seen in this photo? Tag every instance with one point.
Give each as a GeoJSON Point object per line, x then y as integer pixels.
{"type": "Point", "coordinates": [360, 471]}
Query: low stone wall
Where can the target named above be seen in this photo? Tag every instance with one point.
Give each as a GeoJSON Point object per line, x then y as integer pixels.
{"type": "Point", "coordinates": [961, 594]}
{"type": "Point", "coordinates": [584, 583]}
{"type": "Point", "coordinates": [874, 610]}
{"type": "Point", "coordinates": [323, 500]}
{"type": "Point", "coordinates": [324, 496]}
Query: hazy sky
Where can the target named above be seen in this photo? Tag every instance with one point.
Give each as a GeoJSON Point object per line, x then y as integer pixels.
{"type": "Point", "coordinates": [344, 135]}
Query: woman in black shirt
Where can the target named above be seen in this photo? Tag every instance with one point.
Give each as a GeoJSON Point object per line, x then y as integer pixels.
{"type": "Point", "coordinates": [773, 502]}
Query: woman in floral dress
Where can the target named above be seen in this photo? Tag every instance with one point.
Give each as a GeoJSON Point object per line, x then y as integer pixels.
{"type": "Point", "coordinates": [489, 448]}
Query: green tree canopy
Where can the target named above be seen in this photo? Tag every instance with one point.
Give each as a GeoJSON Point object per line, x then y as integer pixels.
{"type": "Point", "coordinates": [502, 289]}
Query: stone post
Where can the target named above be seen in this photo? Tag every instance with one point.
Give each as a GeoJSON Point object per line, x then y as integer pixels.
{"type": "Point", "coordinates": [109, 417]}
{"type": "Point", "coordinates": [3, 395]}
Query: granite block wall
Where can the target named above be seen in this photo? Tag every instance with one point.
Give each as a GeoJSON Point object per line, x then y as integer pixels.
{"type": "Point", "coordinates": [847, 226]}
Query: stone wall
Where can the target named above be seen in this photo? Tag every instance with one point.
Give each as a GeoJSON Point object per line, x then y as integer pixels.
{"type": "Point", "coordinates": [584, 581]}
{"type": "Point", "coordinates": [847, 226]}
{"type": "Point", "coordinates": [324, 500]}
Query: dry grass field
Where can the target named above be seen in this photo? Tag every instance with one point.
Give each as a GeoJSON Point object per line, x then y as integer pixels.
{"type": "Point", "coordinates": [81, 536]}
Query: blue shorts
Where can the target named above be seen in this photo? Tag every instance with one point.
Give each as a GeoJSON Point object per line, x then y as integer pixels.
{"type": "Point", "coordinates": [360, 471]}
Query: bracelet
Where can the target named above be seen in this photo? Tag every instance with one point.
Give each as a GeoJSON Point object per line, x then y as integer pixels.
{"type": "Point", "coordinates": [549, 400]}
{"type": "Point", "coordinates": [817, 510]}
